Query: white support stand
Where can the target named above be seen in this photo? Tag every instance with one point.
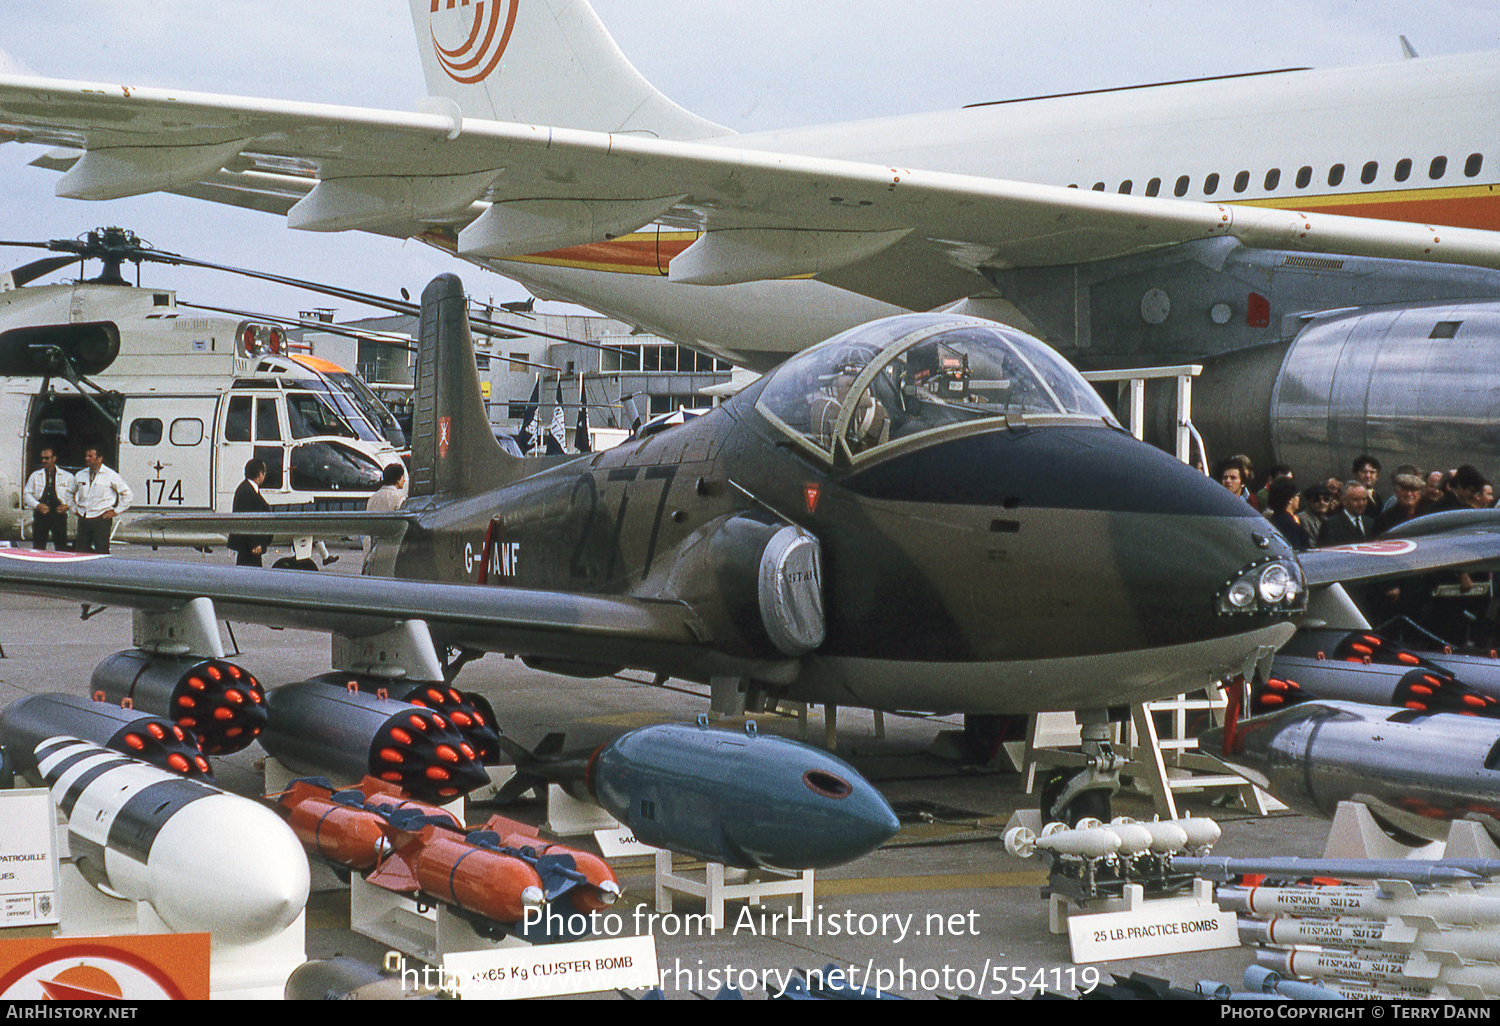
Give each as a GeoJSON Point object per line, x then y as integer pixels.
{"type": "Point", "coordinates": [191, 629]}
{"type": "Point", "coordinates": [1469, 840]}
{"type": "Point", "coordinates": [569, 817]}
{"type": "Point", "coordinates": [1061, 908]}
{"type": "Point", "coordinates": [426, 933]}
{"type": "Point", "coordinates": [1048, 735]}
{"type": "Point", "coordinates": [255, 971]}
{"type": "Point", "coordinates": [1171, 763]}
{"type": "Point", "coordinates": [720, 884]}
{"type": "Point", "coordinates": [1355, 835]}
{"type": "Point", "coordinates": [405, 651]}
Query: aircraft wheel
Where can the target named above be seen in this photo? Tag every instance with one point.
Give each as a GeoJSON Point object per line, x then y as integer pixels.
{"type": "Point", "coordinates": [292, 563]}
{"type": "Point", "coordinates": [1094, 802]}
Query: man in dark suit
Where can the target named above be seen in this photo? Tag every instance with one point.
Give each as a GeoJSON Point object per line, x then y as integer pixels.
{"type": "Point", "coordinates": [247, 499]}
{"type": "Point", "coordinates": [1351, 524]}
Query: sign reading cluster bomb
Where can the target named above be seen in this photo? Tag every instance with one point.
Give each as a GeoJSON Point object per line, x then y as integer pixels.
{"type": "Point", "coordinates": [1159, 928]}
{"type": "Point", "coordinates": [28, 858]}
{"type": "Point", "coordinates": [549, 969]}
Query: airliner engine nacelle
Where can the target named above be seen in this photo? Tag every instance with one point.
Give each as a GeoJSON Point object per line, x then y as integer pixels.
{"type": "Point", "coordinates": [1403, 383]}
{"type": "Point", "coordinates": [223, 704]}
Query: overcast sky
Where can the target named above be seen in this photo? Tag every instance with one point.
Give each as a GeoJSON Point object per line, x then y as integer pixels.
{"type": "Point", "coordinates": [749, 66]}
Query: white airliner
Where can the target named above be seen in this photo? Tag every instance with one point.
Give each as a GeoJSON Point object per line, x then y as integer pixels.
{"type": "Point", "coordinates": [543, 154]}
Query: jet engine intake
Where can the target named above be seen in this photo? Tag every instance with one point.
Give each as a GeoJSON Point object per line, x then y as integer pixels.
{"type": "Point", "coordinates": [764, 578]}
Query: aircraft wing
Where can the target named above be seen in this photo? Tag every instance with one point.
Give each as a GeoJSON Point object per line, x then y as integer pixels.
{"type": "Point", "coordinates": [1461, 540]}
{"type": "Point", "coordinates": [185, 528]}
{"type": "Point", "coordinates": [765, 214]}
{"type": "Point", "coordinates": [579, 628]}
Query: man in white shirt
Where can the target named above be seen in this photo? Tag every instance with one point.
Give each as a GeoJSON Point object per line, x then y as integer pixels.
{"type": "Point", "coordinates": [99, 495]}
{"type": "Point", "coordinates": [47, 494]}
{"type": "Point", "coordinates": [387, 499]}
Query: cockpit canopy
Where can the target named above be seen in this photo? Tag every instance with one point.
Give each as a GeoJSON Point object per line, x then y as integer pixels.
{"type": "Point", "coordinates": [889, 381]}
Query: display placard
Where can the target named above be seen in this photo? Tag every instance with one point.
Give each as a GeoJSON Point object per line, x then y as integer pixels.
{"type": "Point", "coordinates": [1156, 928]}
{"type": "Point", "coordinates": [620, 842]}
{"type": "Point", "coordinates": [28, 858]}
{"type": "Point", "coordinates": [546, 970]}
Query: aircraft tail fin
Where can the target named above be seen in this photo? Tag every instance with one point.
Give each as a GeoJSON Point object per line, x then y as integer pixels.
{"type": "Point", "coordinates": [453, 450]}
{"type": "Point", "coordinates": [542, 62]}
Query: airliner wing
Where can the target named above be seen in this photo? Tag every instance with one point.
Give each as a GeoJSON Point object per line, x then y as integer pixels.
{"type": "Point", "coordinates": [602, 629]}
{"type": "Point", "coordinates": [514, 189]}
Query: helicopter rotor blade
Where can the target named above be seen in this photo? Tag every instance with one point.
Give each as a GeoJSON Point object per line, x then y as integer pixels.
{"type": "Point", "coordinates": [116, 245]}
{"type": "Point", "coordinates": [30, 272]}
{"type": "Point", "coordinates": [479, 325]}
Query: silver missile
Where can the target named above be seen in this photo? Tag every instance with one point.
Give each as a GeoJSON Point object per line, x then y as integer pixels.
{"type": "Point", "coordinates": [1418, 771]}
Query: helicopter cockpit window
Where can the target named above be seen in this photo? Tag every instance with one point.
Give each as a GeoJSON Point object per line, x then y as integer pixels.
{"type": "Point", "coordinates": [896, 379]}
{"type": "Point", "coordinates": [237, 421]}
{"type": "Point", "coordinates": [309, 415]}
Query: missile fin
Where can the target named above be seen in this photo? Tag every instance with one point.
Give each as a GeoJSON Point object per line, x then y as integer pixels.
{"type": "Point", "coordinates": [1395, 889]}
{"type": "Point", "coordinates": [1399, 932]}
{"type": "Point", "coordinates": [395, 874]}
{"type": "Point", "coordinates": [505, 827]}
{"type": "Point", "coordinates": [1417, 923]}
{"type": "Point", "coordinates": [552, 744]}
{"type": "Point", "coordinates": [559, 874]}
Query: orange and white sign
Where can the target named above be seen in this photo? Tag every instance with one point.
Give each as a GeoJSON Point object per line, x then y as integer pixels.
{"type": "Point", "coordinates": [170, 966]}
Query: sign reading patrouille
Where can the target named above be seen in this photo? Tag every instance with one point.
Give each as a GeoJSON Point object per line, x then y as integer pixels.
{"type": "Point", "coordinates": [28, 859]}
{"type": "Point", "coordinates": [1159, 928]}
{"type": "Point", "coordinates": [549, 969]}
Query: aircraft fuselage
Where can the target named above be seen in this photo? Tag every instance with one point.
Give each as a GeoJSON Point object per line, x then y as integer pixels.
{"type": "Point", "coordinates": [958, 574]}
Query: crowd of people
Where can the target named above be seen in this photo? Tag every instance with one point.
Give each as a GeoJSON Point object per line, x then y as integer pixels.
{"type": "Point", "coordinates": [1458, 608]}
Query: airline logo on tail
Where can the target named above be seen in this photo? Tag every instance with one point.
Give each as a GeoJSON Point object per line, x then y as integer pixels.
{"type": "Point", "coordinates": [476, 33]}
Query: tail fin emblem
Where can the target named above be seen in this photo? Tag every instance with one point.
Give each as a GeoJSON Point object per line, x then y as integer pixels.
{"type": "Point", "coordinates": [485, 42]}
{"type": "Point", "coordinates": [445, 432]}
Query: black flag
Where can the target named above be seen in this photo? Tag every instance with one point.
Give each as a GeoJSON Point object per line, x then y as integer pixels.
{"type": "Point", "coordinates": [527, 433]}
{"type": "Point", "coordinates": [556, 438]}
{"type": "Point", "coordinates": [581, 432]}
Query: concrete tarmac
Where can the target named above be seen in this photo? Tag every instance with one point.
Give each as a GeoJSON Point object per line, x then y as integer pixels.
{"type": "Point", "coordinates": [940, 911]}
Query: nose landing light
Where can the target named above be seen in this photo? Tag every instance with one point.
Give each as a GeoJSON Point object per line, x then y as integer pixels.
{"type": "Point", "coordinates": [1271, 586]}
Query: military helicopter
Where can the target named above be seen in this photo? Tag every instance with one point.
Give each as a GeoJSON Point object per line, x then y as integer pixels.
{"type": "Point", "coordinates": [176, 398]}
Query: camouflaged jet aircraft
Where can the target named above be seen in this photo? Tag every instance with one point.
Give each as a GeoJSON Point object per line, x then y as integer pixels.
{"type": "Point", "coordinates": [927, 512]}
